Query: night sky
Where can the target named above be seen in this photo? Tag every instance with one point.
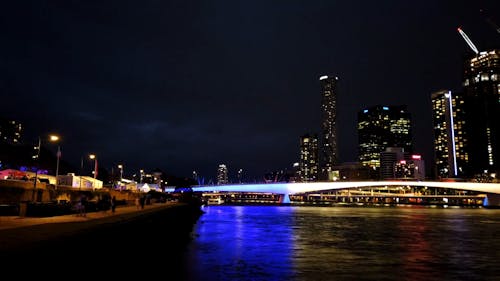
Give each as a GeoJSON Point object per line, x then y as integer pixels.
{"type": "Point", "coordinates": [186, 85]}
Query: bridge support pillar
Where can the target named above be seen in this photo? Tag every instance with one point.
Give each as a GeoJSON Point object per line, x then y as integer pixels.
{"type": "Point", "coordinates": [492, 200]}
{"type": "Point", "coordinates": [285, 198]}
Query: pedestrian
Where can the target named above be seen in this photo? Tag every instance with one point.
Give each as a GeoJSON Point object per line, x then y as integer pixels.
{"type": "Point", "coordinates": [113, 204]}
{"type": "Point", "coordinates": [137, 202]}
{"type": "Point", "coordinates": [143, 201]}
{"type": "Point", "coordinates": [83, 206]}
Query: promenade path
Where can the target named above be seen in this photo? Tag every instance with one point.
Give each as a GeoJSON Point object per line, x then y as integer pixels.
{"type": "Point", "coordinates": [16, 232]}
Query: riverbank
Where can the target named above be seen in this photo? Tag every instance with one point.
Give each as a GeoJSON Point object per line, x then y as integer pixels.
{"type": "Point", "coordinates": [128, 238]}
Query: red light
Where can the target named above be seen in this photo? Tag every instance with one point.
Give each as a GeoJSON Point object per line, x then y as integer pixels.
{"type": "Point", "coordinates": [416, 157]}
{"type": "Point", "coordinates": [402, 162]}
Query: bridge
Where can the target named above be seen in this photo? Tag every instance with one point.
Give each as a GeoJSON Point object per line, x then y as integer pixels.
{"type": "Point", "coordinates": [490, 191]}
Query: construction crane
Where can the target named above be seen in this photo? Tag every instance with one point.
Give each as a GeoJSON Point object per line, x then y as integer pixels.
{"type": "Point", "coordinates": [469, 42]}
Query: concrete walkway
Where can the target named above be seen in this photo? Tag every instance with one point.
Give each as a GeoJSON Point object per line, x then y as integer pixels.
{"type": "Point", "coordinates": [18, 231]}
{"type": "Point", "coordinates": [7, 222]}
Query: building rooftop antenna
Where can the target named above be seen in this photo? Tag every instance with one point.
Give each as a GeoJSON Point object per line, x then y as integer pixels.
{"type": "Point", "coordinates": [466, 38]}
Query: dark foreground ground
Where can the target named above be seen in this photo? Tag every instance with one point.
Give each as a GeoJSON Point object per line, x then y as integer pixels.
{"type": "Point", "coordinates": [134, 244]}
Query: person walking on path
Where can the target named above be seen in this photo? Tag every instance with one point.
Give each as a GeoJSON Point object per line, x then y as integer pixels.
{"type": "Point", "coordinates": [137, 203]}
{"type": "Point", "coordinates": [142, 201]}
{"type": "Point", "coordinates": [113, 204]}
{"type": "Point", "coordinates": [82, 206]}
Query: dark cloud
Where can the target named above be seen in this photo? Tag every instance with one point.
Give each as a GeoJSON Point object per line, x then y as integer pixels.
{"type": "Point", "coordinates": [186, 85]}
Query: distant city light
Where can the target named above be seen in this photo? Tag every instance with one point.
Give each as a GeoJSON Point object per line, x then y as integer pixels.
{"type": "Point", "coordinates": [416, 157]}
{"type": "Point", "coordinates": [385, 108]}
{"type": "Point", "coordinates": [323, 77]}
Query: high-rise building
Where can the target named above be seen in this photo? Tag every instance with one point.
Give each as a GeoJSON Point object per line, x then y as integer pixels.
{"type": "Point", "coordinates": [449, 134]}
{"type": "Point", "coordinates": [380, 127]}
{"type": "Point", "coordinates": [10, 131]}
{"type": "Point", "coordinates": [482, 108]}
{"type": "Point", "coordinates": [308, 165]}
{"type": "Point", "coordinates": [388, 160]}
{"type": "Point", "coordinates": [222, 174]}
{"type": "Point", "coordinates": [413, 168]}
{"type": "Point", "coordinates": [396, 163]}
{"type": "Point", "coordinates": [240, 176]}
{"type": "Point", "coordinates": [329, 150]}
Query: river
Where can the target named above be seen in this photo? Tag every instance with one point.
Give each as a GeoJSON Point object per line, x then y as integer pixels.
{"type": "Point", "coordinates": [345, 243]}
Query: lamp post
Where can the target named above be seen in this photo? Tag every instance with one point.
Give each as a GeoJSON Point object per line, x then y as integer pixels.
{"type": "Point", "coordinates": [55, 138]}
{"type": "Point", "coordinates": [81, 172]}
{"type": "Point", "coordinates": [93, 157]}
{"type": "Point", "coordinates": [36, 157]}
{"type": "Point", "coordinates": [121, 171]}
{"type": "Point", "coordinates": [52, 138]}
{"type": "Point", "coordinates": [120, 166]}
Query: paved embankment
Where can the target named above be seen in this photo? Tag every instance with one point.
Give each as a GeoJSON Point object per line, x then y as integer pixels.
{"type": "Point", "coordinates": [21, 234]}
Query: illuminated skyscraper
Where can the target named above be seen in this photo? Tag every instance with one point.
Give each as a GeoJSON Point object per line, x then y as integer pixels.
{"type": "Point", "coordinates": [308, 158]}
{"type": "Point", "coordinates": [222, 174]}
{"type": "Point", "coordinates": [10, 131]}
{"type": "Point", "coordinates": [482, 108]}
{"type": "Point", "coordinates": [329, 152]}
{"type": "Point", "coordinates": [449, 134]}
{"type": "Point", "coordinates": [380, 127]}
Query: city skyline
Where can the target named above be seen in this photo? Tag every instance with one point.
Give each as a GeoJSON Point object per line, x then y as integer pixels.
{"type": "Point", "coordinates": [184, 87]}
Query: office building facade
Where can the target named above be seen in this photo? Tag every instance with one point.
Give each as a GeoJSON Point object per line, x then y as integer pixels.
{"type": "Point", "coordinates": [308, 164]}
{"type": "Point", "coordinates": [482, 108]}
{"type": "Point", "coordinates": [329, 150]}
{"type": "Point", "coordinates": [450, 138]}
{"type": "Point", "coordinates": [222, 177]}
{"type": "Point", "coordinates": [10, 131]}
{"type": "Point", "coordinates": [380, 127]}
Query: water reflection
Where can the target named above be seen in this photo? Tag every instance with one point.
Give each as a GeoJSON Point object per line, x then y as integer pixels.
{"type": "Point", "coordinates": [242, 243]}
{"type": "Point", "coordinates": [336, 243]}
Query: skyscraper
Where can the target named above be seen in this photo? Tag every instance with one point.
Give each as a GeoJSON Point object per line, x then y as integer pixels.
{"type": "Point", "coordinates": [308, 165]}
{"type": "Point", "coordinates": [449, 134]}
{"type": "Point", "coordinates": [380, 127]}
{"type": "Point", "coordinates": [10, 131]}
{"type": "Point", "coordinates": [482, 108]}
{"type": "Point", "coordinates": [222, 174]}
{"type": "Point", "coordinates": [396, 163]}
{"type": "Point", "coordinates": [329, 150]}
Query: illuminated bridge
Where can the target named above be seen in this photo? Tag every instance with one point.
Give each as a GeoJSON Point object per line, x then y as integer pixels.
{"type": "Point", "coordinates": [488, 193]}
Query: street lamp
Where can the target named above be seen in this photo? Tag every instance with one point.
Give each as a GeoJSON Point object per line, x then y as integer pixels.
{"type": "Point", "coordinates": [93, 157]}
{"type": "Point", "coordinates": [52, 138]}
{"type": "Point", "coordinates": [121, 171]}
{"type": "Point", "coordinates": [36, 157]}
{"type": "Point", "coordinates": [55, 138]}
{"type": "Point", "coordinates": [120, 166]}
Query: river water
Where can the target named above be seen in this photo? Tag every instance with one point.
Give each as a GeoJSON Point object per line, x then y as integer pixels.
{"type": "Point", "coordinates": [345, 243]}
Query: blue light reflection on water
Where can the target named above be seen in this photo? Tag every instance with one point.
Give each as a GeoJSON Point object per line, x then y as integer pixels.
{"type": "Point", "coordinates": [242, 243]}
{"type": "Point", "coordinates": [330, 243]}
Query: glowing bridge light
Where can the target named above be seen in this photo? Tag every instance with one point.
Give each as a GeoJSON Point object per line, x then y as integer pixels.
{"type": "Point", "coordinates": [293, 188]}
